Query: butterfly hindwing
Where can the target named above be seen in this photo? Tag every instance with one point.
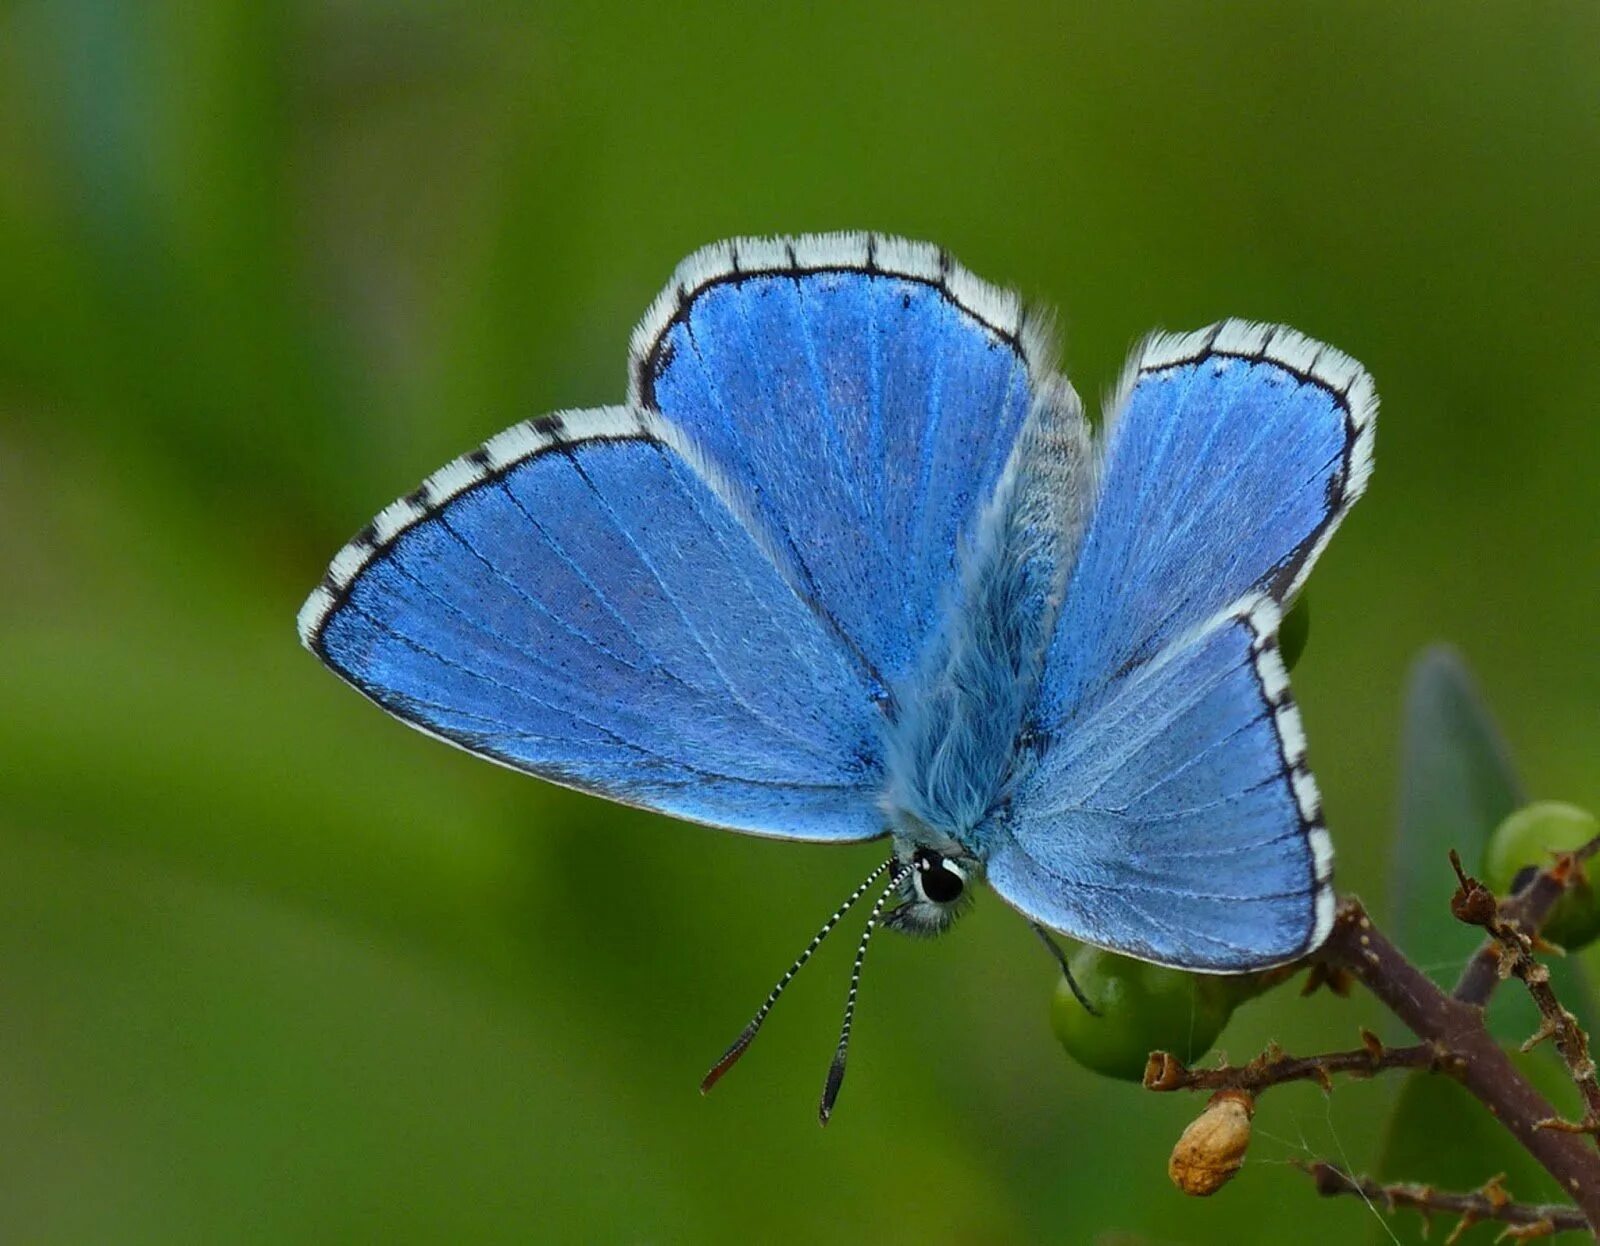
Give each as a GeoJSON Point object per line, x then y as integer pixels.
{"type": "Point", "coordinates": [1175, 819]}
{"type": "Point", "coordinates": [865, 393]}
{"type": "Point", "coordinates": [575, 600]}
{"type": "Point", "coordinates": [1169, 811]}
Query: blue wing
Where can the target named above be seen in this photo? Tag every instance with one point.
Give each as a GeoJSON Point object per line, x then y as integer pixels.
{"type": "Point", "coordinates": [1169, 811]}
{"type": "Point", "coordinates": [865, 393]}
{"type": "Point", "coordinates": [1229, 461]}
{"type": "Point", "coordinates": [577, 600]}
{"type": "Point", "coordinates": [1173, 819]}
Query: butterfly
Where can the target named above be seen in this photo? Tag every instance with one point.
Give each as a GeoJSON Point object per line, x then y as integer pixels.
{"type": "Point", "coordinates": [850, 563]}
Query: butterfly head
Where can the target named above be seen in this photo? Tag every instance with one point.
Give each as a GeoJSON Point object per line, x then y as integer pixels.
{"type": "Point", "coordinates": [937, 888]}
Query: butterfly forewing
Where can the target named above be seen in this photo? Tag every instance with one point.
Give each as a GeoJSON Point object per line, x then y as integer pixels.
{"type": "Point", "coordinates": [865, 394]}
{"type": "Point", "coordinates": [578, 603]}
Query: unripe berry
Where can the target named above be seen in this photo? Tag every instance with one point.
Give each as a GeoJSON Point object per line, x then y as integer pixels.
{"type": "Point", "coordinates": [1528, 840]}
{"type": "Point", "coordinates": [1142, 1008]}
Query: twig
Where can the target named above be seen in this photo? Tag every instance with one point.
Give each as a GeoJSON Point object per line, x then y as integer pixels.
{"type": "Point", "coordinates": [1456, 1028]}
{"type": "Point", "coordinates": [1455, 1040]}
{"type": "Point", "coordinates": [1528, 1220]}
{"type": "Point", "coordinates": [1272, 1067]}
{"type": "Point", "coordinates": [1476, 905]}
{"type": "Point", "coordinates": [1526, 910]}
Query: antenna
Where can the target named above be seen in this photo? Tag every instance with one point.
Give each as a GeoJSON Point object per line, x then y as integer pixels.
{"type": "Point", "coordinates": [748, 1034]}
{"type": "Point", "coordinates": [830, 1088]}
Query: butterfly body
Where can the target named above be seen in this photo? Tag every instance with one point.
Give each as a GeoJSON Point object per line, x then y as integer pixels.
{"type": "Point", "coordinates": [849, 562]}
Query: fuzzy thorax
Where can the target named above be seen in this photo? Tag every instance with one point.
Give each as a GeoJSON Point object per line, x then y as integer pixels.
{"type": "Point", "coordinates": [955, 752]}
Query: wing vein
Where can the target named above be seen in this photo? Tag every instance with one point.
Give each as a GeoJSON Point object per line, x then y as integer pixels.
{"type": "Point", "coordinates": [677, 605]}
{"type": "Point", "coordinates": [598, 594]}
{"type": "Point", "coordinates": [520, 693]}
{"type": "Point", "coordinates": [877, 534]}
{"type": "Point", "coordinates": [933, 417]}
{"type": "Point", "coordinates": [525, 596]}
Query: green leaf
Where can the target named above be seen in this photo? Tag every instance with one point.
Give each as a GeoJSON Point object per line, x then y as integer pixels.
{"type": "Point", "coordinates": [1456, 784]}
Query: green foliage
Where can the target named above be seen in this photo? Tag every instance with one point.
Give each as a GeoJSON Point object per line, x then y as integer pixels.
{"type": "Point", "coordinates": [1459, 790]}
{"type": "Point", "coordinates": [1456, 784]}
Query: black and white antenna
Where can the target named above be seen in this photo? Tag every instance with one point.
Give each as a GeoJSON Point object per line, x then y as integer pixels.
{"type": "Point", "coordinates": [747, 1036]}
{"type": "Point", "coordinates": [830, 1088]}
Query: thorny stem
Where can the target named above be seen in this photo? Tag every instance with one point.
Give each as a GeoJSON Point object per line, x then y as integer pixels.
{"type": "Point", "coordinates": [1273, 1068]}
{"type": "Point", "coordinates": [1526, 910]}
{"type": "Point", "coordinates": [1492, 1202]}
{"type": "Point", "coordinates": [1476, 905]}
{"type": "Point", "coordinates": [1479, 1062]}
{"type": "Point", "coordinates": [1456, 1041]}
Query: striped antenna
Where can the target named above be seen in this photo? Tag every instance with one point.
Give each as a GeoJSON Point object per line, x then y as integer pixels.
{"type": "Point", "coordinates": [830, 1089]}
{"type": "Point", "coordinates": [748, 1034]}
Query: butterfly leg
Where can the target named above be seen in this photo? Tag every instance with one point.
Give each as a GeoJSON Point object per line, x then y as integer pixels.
{"type": "Point", "coordinates": [1049, 941]}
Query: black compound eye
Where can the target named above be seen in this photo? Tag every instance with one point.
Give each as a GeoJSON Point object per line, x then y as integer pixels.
{"type": "Point", "coordinates": [941, 882]}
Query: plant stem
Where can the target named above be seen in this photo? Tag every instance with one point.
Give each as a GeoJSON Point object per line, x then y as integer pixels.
{"type": "Point", "coordinates": [1456, 1027]}
{"type": "Point", "coordinates": [1489, 1203]}
{"type": "Point", "coordinates": [1272, 1067]}
{"type": "Point", "coordinates": [1476, 905]}
{"type": "Point", "coordinates": [1527, 910]}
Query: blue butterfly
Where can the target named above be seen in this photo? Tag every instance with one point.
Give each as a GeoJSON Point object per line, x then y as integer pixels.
{"type": "Point", "coordinates": [850, 563]}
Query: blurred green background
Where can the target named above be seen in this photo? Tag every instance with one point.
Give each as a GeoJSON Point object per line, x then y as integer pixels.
{"type": "Point", "coordinates": [274, 968]}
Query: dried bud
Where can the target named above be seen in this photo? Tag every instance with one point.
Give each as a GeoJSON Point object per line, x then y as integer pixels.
{"type": "Point", "coordinates": [1212, 1149]}
{"type": "Point", "coordinates": [1475, 906]}
{"type": "Point", "coordinates": [1163, 1071]}
{"type": "Point", "coordinates": [1473, 903]}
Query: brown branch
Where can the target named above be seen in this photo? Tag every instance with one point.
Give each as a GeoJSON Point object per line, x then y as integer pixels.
{"type": "Point", "coordinates": [1527, 910]}
{"type": "Point", "coordinates": [1272, 1067]}
{"type": "Point", "coordinates": [1456, 1028]}
{"type": "Point", "coordinates": [1492, 1203]}
{"type": "Point", "coordinates": [1454, 1039]}
{"type": "Point", "coordinates": [1476, 905]}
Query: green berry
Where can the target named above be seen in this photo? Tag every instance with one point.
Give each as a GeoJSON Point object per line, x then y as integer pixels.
{"type": "Point", "coordinates": [1527, 840]}
{"type": "Point", "coordinates": [1294, 631]}
{"type": "Point", "coordinates": [1142, 1007]}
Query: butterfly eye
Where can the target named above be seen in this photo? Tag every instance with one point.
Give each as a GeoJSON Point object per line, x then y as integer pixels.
{"type": "Point", "coordinates": [938, 879]}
